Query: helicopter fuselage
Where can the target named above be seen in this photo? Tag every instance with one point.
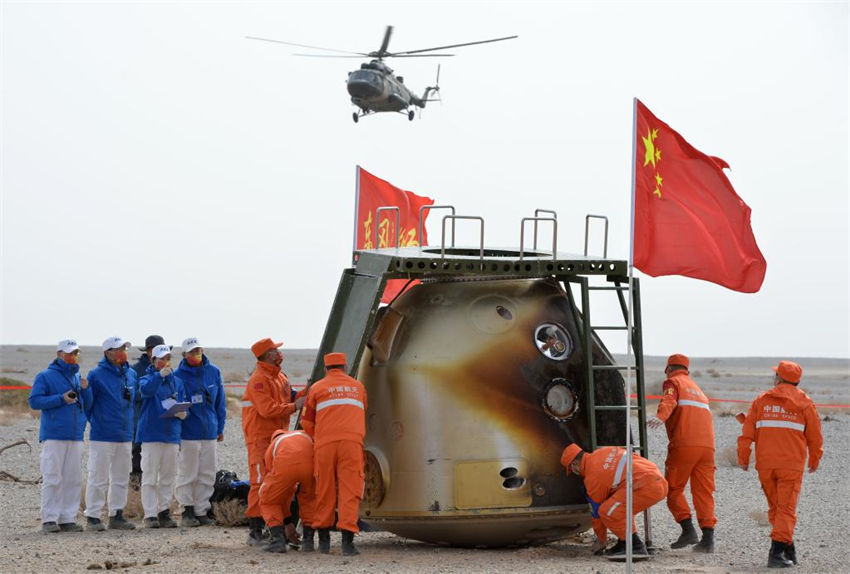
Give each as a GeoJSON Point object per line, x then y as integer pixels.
{"type": "Point", "coordinates": [374, 88]}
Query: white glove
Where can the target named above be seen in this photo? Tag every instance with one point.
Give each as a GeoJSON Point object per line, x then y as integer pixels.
{"type": "Point", "coordinates": [181, 415]}
{"type": "Point", "coordinates": [655, 423]}
{"type": "Point", "coordinates": [165, 372]}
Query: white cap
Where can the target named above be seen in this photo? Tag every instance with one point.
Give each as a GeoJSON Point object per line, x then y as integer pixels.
{"type": "Point", "coordinates": [115, 343]}
{"type": "Point", "coordinates": [190, 343]}
{"type": "Point", "coordinates": [161, 351]}
{"type": "Point", "coordinates": [67, 346]}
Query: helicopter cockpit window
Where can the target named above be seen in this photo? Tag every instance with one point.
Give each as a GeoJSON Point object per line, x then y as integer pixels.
{"type": "Point", "coordinates": [366, 76]}
{"type": "Point", "coordinates": [553, 341]}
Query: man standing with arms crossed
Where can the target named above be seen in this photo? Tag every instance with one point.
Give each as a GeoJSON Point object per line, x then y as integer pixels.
{"type": "Point", "coordinates": [784, 424]}
{"type": "Point", "coordinates": [336, 419]}
{"type": "Point", "coordinates": [690, 453]}
{"type": "Point", "coordinates": [266, 407]}
{"type": "Point", "coordinates": [113, 387]}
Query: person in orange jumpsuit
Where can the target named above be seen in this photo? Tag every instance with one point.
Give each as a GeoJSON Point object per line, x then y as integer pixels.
{"type": "Point", "coordinates": [784, 424]}
{"type": "Point", "coordinates": [289, 463]}
{"type": "Point", "coordinates": [335, 416]}
{"type": "Point", "coordinates": [604, 472]}
{"type": "Point", "coordinates": [266, 407]}
{"type": "Point", "coordinates": [690, 453]}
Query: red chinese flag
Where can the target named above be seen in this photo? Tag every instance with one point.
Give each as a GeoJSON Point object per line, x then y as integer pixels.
{"type": "Point", "coordinates": [372, 193]}
{"type": "Point", "coordinates": [688, 219]}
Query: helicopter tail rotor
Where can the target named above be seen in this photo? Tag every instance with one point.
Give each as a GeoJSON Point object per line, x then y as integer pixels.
{"type": "Point", "coordinates": [435, 89]}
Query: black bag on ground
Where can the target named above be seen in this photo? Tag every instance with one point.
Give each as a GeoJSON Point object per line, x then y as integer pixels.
{"type": "Point", "coordinates": [228, 487]}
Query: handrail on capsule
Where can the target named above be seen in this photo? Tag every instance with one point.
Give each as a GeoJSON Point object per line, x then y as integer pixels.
{"type": "Point", "coordinates": [378, 223]}
{"type": "Point", "coordinates": [537, 213]}
{"type": "Point", "coordinates": [422, 221]}
{"type": "Point", "coordinates": [554, 221]}
{"type": "Point", "coordinates": [454, 217]}
{"type": "Point", "coordinates": [587, 228]}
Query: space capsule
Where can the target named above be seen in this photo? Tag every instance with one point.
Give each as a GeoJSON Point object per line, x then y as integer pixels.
{"type": "Point", "coordinates": [477, 379]}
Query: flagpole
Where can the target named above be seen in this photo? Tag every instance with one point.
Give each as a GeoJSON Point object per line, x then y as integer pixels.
{"type": "Point", "coordinates": [629, 346]}
{"type": "Point", "coordinates": [356, 209]}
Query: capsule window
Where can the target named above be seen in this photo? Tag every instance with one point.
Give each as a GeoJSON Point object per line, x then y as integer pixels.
{"type": "Point", "coordinates": [553, 342]}
{"type": "Point", "coordinates": [559, 400]}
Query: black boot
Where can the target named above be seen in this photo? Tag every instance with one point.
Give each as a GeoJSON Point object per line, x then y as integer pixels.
{"type": "Point", "coordinates": [348, 548]}
{"type": "Point", "coordinates": [638, 547]}
{"type": "Point", "coordinates": [688, 536]}
{"type": "Point", "coordinates": [706, 545]}
{"type": "Point", "coordinates": [791, 553]}
{"type": "Point", "coordinates": [277, 541]}
{"type": "Point", "coordinates": [619, 549]}
{"type": "Point", "coordinates": [118, 522]}
{"type": "Point", "coordinates": [255, 533]}
{"type": "Point", "coordinates": [776, 558]}
{"type": "Point", "coordinates": [165, 520]}
{"type": "Point", "coordinates": [324, 540]}
{"type": "Point", "coordinates": [307, 540]}
{"type": "Point", "coordinates": [189, 517]}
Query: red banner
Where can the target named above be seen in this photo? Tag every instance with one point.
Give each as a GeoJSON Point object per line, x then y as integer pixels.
{"type": "Point", "coordinates": [372, 193]}
{"type": "Point", "coordinates": [688, 219]}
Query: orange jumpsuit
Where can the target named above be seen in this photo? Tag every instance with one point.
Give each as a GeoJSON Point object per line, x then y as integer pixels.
{"type": "Point", "coordinates": [604, 473]}
{"type": "Point", "coordinates": [266, 407]}
{"type": "Point", "coordinates": [335, 416]}
{"type": "Point", "coordinates": [289, 462]}
{"type": "Point", "coordinates": [784, 424]}
{"type": "Point", "coordinates": [690, 453]}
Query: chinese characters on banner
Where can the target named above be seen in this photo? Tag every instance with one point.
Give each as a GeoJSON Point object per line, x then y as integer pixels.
{"type": "Point", "coordinates": [372, 193]}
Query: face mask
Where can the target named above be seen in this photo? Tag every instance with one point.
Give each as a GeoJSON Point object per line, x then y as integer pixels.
{"type": "Point", "coordinates": [194, 360]}
{"type": "Point", "coordinates": [120, 357]}
{"type": "Point", "coordinates": [71, 359]}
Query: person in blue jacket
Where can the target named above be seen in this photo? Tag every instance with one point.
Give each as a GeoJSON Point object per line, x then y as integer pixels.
{"type": "Point", "coordinates": [110, 412]}
{"type": "Point", "coordinates": [139, 367]}
{"type": "Point", "coordinates": [160, 437]}
{"type": "Point", "coordinates": [203, 427]}
{"type": "Point", "coordinates": [61, 396]}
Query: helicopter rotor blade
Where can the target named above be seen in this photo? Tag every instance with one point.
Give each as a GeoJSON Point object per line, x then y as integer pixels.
{"type": "Point", "coordinates": [386, 42]}
{"type": "Point", "coordinates": [325, 56]}
{"type": "Point", "coordinates": [420, 56]}
{"type": "Point", "coordinates": [396, 54]}
{"type": "Point", "coordinates": [306, 46]}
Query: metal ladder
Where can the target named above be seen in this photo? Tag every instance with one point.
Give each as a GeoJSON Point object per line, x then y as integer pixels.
{"type": "Point", "coordinates": [620, 285]}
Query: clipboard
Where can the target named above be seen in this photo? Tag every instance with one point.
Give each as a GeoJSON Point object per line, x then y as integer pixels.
{"type": "Point", "coordinates": [174, 409]}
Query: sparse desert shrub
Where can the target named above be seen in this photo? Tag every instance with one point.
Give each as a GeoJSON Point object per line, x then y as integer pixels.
{"type": "Point", "coordinates": [727, 456]}
{"type": "Point", "coordinates": [696, 374]}
{"type": "Point", "coordinates": [234, 406]}
{"type": "Point", "coordinates": [713, 373]}
{"type": "Point", "coordinates": [234, 377]}
{"type": "Point", "coordinates": [759, 517]}
{"type": "Point", "coordinates": [230, 512]}
{"type": "Point", "coordinates": [14, 403]}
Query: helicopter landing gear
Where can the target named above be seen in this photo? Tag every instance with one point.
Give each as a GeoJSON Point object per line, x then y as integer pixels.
{"type": "Point", "coordinates": [410, 115]}
{"type": "Point", "coordinates": [355, 117]}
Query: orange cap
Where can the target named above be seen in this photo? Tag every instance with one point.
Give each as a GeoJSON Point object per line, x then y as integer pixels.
{"type": "Point", "coordinates": [679, 360]}
{"type": "Point", "coordinates": [569, 455]}
{"type": "Point", "coordinates": [264, 345]}
{"type": "Point", "coordinates": [335, 359]}
{"type": "Point", "coordinates": [788, 371]}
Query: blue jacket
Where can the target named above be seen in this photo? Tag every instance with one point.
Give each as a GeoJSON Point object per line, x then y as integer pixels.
{"type": "Point", "coordinates": [59, 420]}
{"type": "Point", "coordinates": [111, 410]}
{"type": "Point", "coordinates": [154, 390]}
{"type": "Point", "coordinates": [206, 393]}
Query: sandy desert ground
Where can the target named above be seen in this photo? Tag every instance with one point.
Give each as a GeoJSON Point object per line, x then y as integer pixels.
{"type": "Point", "coordinates": [742, 533]}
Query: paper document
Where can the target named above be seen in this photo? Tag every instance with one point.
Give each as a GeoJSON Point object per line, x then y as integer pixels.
{"type": "Point", "coordinates": [174, 409]}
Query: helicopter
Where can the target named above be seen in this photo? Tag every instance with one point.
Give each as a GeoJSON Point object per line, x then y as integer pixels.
{"type": "Point", "coordinates": [375, 87]}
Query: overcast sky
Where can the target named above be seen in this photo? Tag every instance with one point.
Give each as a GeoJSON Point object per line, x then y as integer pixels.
{"type": "Point", "coordinates": [163, 174]}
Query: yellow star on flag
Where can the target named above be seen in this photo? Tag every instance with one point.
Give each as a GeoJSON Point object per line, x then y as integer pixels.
{"type": "Point", "coordinates": [650, 148]}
